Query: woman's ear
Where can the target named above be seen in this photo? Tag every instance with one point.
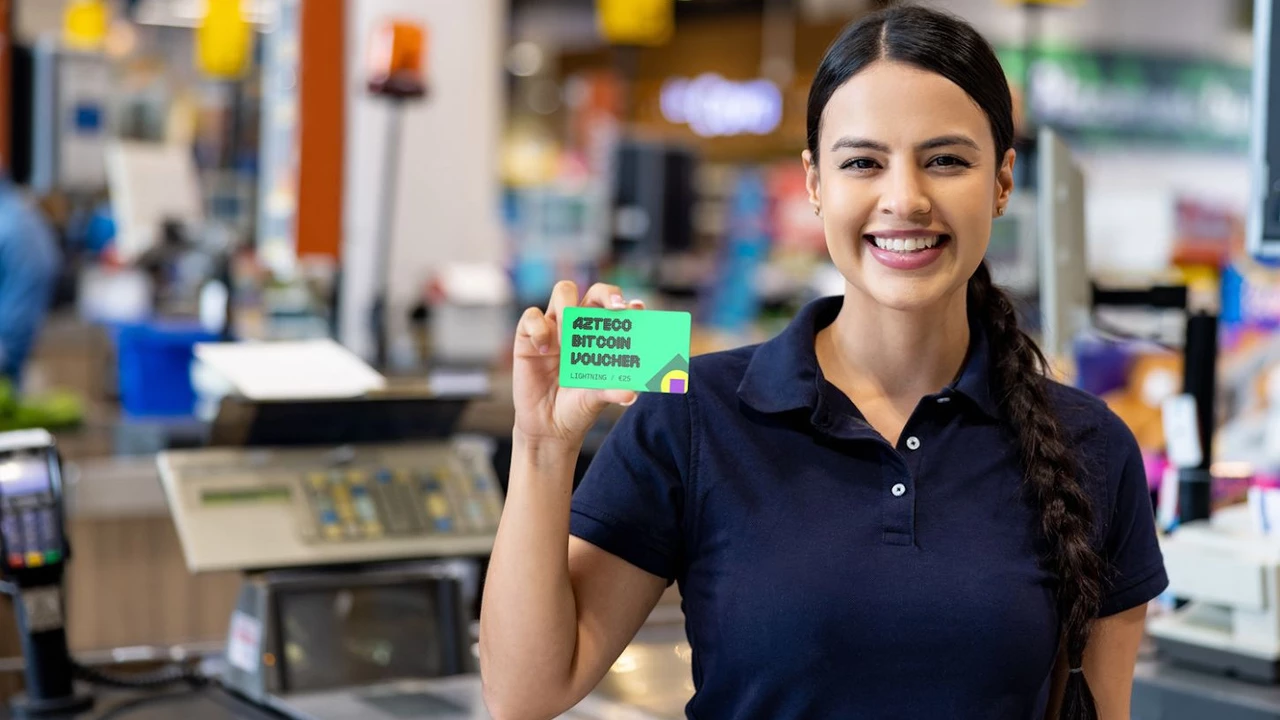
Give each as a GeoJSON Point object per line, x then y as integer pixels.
{"type": "Point", "coordinates": [1004, 179]}
{"type": "Point", "coordinates": [811, 179]}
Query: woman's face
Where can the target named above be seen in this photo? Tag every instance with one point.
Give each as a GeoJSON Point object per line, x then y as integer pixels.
{"type": "Point", "coordinates": [907, 185]}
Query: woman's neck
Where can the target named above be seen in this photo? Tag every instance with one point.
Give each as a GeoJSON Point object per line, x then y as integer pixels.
{"type": "Point", "coordinates": [872, 351]}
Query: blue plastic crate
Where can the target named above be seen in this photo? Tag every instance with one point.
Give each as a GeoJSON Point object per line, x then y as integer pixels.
{"type": "Point", "coordinates": [154, 361]}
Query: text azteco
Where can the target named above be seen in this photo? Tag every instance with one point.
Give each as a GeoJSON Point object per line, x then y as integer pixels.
{"type": "Point", "coordinates": [588, 336]}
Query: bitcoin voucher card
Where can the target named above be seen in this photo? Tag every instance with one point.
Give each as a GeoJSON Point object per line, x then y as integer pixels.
{"type": "Point", "coordinates": [641, 350]}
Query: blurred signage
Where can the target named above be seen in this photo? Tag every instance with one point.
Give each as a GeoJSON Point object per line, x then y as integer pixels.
{"type": "Point", "coordinates": [1207, 234]}
{"type": "Point", "coordinates": [1113, 97]}
{"type": "Point", "coordinates": [1251, 295]}
{"type": "Point", "coordinates": [224, 40]}
{"type": "Point", "coordinates": [84, 24]}
{"type": "Point", "coordinates": [636, 22]}
{"type": "Point", "coordinates": [715, 107]}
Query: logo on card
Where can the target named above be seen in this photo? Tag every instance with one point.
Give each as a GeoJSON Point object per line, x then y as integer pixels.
{"type": "Point", "coordinates": [672, 378]}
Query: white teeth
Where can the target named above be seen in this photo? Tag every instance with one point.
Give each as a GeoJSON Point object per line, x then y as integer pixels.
{"type": "Point", "coordinates": [905, 245]}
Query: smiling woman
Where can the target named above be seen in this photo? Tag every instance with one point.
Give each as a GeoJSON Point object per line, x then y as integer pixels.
{"type": "Point", "coordinates": [904, 154]}
{"type": "Point", "coordinates": [886, 511]}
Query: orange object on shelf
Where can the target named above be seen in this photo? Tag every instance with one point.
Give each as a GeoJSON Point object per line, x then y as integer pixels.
{"type": "Point", "coordinates": [397, 61]}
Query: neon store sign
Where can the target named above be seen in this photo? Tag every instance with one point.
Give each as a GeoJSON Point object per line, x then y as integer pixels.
{"type": "Point", "coordinates": [715, 107]}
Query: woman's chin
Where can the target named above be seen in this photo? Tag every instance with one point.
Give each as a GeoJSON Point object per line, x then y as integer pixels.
{"type": "Point", "coordinates": [907, 303]}
{"type": "Point", "coordinates": [909, 295]}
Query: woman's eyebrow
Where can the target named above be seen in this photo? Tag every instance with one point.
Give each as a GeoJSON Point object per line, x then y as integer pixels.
{"type": "Point", "coordinates": [857, 143]}
{"type": "Point", "coordinates": [947, 140]}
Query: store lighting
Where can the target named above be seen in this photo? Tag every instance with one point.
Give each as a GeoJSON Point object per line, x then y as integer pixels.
{"type": "Point", "coordinates": [1232, 470]}
{"type": "Point", "coordinates": [190, 13]}
{"type": "Point", "coordinates": [524, 59]}
{"type": "Point", "coordinates": [715, 107]}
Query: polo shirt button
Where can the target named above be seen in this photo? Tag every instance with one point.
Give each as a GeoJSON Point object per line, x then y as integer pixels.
{"type": "Point", "coordinates": [944, 399]}
{"type": "Point", "coordinates": [899, 490]}
{"type": "Point", "coordinates": [913, 443]}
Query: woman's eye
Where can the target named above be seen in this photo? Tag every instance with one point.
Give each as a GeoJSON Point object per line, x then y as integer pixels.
{"type": "Point", "coordinates": [858, 164]}
{"type": "Point", "coordinates": [949, 161]}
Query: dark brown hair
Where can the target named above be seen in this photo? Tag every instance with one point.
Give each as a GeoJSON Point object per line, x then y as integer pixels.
{"type": "Point", "coordinates": [946, 45]}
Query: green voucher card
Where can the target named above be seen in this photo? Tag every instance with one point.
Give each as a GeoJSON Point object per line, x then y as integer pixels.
{"type": "Point", "coordinates": [641, 350]}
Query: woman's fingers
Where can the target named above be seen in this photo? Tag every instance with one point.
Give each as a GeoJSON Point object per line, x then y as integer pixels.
{"type": "Point", "coordinates": [619, 397]}
{"type": "Point", "coordinates": [542, 328]}
{"type": "Point", "coordinates": [563, 295]}
{"type": "Point", "coordinates": [539, 330]}
{"type": "Point", "coordinates": [603, 295]}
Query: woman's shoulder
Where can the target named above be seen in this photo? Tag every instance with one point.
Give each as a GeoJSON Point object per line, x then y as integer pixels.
{"type": "Point", "coordinates": [1106, 447]}
{"type": "Point", "coordinates": [1081, 412]}
{"type": "Point", "coordinates": [715, 377]}
{"type": "Point", "coordinates": [733, 359]}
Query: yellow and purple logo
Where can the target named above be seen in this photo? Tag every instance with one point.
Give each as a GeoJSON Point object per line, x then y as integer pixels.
{"type": "Point", "coordinates": [672, 378]}
{"type": "Point", "coordinates": [676, 381]}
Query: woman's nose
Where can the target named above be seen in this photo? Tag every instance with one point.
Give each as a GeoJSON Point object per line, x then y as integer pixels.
{"type": "Point", "coordinates": [904, 194]}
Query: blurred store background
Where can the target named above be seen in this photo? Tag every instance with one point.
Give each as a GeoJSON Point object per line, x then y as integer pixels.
{"type": "Point", "coordinates": [383, 185]}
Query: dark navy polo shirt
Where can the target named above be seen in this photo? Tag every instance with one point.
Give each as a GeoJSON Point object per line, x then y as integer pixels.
{"type": "Point", "coordinates": [826, 573]}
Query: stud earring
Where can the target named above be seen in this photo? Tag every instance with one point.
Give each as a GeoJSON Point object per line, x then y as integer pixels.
{"type": "Point", "coordinates": [1000, 211]}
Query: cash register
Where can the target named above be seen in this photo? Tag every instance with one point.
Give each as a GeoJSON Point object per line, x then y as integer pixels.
{"type": "Point", "coordinates": [360, 525]}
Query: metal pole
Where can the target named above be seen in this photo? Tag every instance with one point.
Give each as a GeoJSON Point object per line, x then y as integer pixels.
{"type": "Point", "coordinates": [1200, 379]}
{"type": "Point", "coordinates": [386, 227]}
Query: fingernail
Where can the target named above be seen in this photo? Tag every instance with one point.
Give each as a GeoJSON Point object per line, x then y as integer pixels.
{"type": "Point", "coordinates": [632, 401]}
{"type": "Point", "coordinates": [544, 349]}
{"type": "Point", "coordinates": [616, 302]}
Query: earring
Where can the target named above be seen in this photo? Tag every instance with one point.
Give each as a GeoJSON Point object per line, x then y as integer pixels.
{"type": "Point", "coordinates": [1000, 211]}
{"type": "Point", "coordinates": [817, 211]}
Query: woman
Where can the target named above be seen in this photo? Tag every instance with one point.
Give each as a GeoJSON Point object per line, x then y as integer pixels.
{"type": "Point", "coordinates": [888, 511]}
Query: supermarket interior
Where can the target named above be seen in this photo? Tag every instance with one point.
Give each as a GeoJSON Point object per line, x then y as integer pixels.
{"type": "Point", "coordinates": [263, 269]}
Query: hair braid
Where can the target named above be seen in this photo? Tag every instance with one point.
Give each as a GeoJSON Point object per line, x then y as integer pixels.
{"type": "Point", "coordinates": [1066, 517]}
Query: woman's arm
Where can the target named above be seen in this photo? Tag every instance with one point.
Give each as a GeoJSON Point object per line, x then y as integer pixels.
{"type": "Point", "coordinates": [557, 610]}
{"type": "Point", "coordinates": [1109, 660]}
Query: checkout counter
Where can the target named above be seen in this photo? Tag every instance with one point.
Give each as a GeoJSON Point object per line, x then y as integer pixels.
{"type": "Point", "coordinates": [366, 536]}
{"type": "Point", "coordinates": [360, 527]}
{"type": "Point", "coordinates": [341, 515]}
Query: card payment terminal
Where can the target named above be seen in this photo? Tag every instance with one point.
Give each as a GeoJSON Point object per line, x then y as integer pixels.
{"type": "Point", "coordinates": [34, 550]}
{"type": "Point", "coordinates": [31, 507]}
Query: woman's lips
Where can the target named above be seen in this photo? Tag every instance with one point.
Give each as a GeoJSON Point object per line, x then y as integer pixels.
{"type": "Point", "coordinates": [906, 259]}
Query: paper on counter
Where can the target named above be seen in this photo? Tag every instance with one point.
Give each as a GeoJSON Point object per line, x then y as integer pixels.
{"type": "Point", "coordinates": [295, 370]}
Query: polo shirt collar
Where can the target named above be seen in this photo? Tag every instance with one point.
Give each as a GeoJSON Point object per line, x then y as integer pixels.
{"type": "Point", "coordinates": [783, 373]}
